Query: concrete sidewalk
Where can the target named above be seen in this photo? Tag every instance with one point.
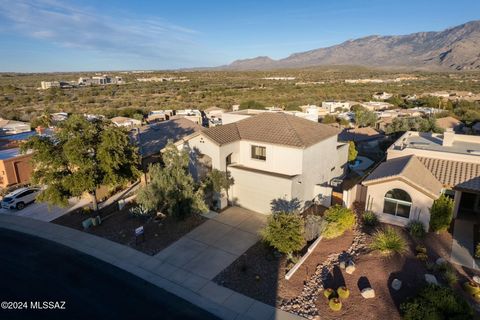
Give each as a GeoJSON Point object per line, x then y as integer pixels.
{"type": "Point", "coordinates": [198, 290]}
{"type": "Point", "coordinates": [462, 245]}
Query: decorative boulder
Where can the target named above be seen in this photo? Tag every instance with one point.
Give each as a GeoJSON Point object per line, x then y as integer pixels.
{"type": "Point", "coordinates": [396, 284]}
{"type": "Point", "coordinates": [368, 293]}
{"type": "Point", "coordinates": [476, 279]}
{"type": "Point", "coordinates": [343, 265]}
{"type": "Point", "coordinates": [350, 267]}
{"type": "Point", "coordinates": [440, 261]}
{"type": "Point", "coordinates": [431, 279]}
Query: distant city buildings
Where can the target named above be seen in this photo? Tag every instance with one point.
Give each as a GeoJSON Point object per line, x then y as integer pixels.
{"type": "Point", "coordinates": [82, 81]}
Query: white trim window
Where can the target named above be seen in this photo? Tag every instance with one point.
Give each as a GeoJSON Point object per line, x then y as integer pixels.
{"type": "Point", "coordinates": [397, 202]}
{"type": "Point", "coordinates": [259, 153]}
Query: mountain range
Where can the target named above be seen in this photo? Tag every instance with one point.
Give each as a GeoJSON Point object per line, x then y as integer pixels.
{"type": "Point", "coordinates": [456, 48]}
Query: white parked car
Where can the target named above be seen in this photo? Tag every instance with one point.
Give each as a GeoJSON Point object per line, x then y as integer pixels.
{"type": "Point", "coordinates": [19, 198]}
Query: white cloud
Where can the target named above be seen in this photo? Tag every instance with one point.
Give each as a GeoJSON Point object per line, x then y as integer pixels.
{"type": "Point", "coordinates": [84, 28]}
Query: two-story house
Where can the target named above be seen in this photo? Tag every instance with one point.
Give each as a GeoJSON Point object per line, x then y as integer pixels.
{"type": "Point", "coordinates": [273, 155]}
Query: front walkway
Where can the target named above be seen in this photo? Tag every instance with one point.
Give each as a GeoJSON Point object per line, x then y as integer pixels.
{"type": "Point", "coordinates": [215, 244]}
{"type": "Point", "coordinates": [190, 286]}
{"type": "Point", "coordinates": [462, 245]}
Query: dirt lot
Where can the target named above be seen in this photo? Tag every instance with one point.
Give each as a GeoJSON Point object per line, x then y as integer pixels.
{"type": "Point", "coordinates": [119, 226]}
{"type": "Point", "coordinates": [260, 275]}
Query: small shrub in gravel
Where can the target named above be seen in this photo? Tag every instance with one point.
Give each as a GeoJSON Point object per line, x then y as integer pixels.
{"type": "Point", "coordinates": [328, 293]}
{"type": "Point", "coordinates": [420, 249]}
{"type": "Point", "coordinates": [389, 241]}
{"type": "Point", "coordinates": [370, 219]}
{"type": "Point", "coordinates": [416, 229]}
{"type": "Point", "coordinates": [339, 220]}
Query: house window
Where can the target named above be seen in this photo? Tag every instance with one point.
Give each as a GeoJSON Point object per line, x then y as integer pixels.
{"type": "Point", "coordinates": [259, 153]}
{"type": "Point", "coordinates": [398, 203]}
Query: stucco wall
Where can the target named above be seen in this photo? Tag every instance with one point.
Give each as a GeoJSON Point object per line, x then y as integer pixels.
{"type": "Point", "coordinates": [420, 209]}
{"type": "Point", "coordinates": [280, 159]}
{"type": "Point", "coordinates": [229, 117]}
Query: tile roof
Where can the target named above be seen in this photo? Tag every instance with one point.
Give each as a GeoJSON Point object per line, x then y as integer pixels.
{"type": "Point", "coordinates": [452, 173]}
{"type": "Point", "coordinates": [273, 127]}
{"type": "Point", "coordinates": [154, 137]}
{"type": "Point", "coordinates": [448, 122]}
{"type": "Point", "coordinates": [409, 168]}
{"type": "Point", "coordinates": [360, 134]}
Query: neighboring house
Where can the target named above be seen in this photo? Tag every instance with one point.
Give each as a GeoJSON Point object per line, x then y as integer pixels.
{"type": "Point", "coordinates": [15, 168]}
{"type": "Point", "coordinates": [272, 155]}
{"type": "Point", "coordinates": [190, 114]}
{"type": "Point", "coordinates": [8, 127]}
{"type": "Point", "coordinates": [151, 139]}
{"type": "Point", "coordinates": [126, 122]}
{"type": "Point", "coordinates": [382, 95]}
{"type": "Point", "coordinates": [234, 116]}
{"type": "Point", "coordinates": [449, 123]}
{"type": "Point", "coordinates": [214, 116]}
{"type": "Point", "coordinates": [361, 135]}
{"type": "Point", "coordinates": [159, 115]}
{"type": "Point", "coordinates": [49, 84]}
{"type": "Point", "coordinates": [332, 106]}
{"type": "Point", "coordinates": [419, 167]}
{"type": "Point", "coordinates": [376, 105]}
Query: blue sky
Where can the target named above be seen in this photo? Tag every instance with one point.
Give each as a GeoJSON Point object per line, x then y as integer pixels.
{"type": "Point", "coordinates": [54, 35]}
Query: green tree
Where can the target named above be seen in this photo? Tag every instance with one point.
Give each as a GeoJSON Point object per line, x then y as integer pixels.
{"type": "Point", "coordinates": [171, 188]}
{"type": "Point", "coordinates": [441, 213]}
{"type": "Point", "coordinates": [339, 219]}
{"type": "Point", "coordinates": [284, 232]}
{"type": "Point", "coordinates": [352, 151]}
{"type": "Point", "coordinates": [82, 156]}
{"type": "Point", "coordinates": [364, 117]}
{"type": "Point", "coordinates": [218, 181]}
{"type": "Point", "coordinates": [329, 119]}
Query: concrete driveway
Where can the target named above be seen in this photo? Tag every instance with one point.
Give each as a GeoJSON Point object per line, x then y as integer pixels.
{"type": "Point", "coordinates": [41, 211]}
{"type": "Point", "coordinates": [215, 244]}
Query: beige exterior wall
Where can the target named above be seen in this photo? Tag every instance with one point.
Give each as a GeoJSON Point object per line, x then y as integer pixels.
{"type": "Point", "coordinates": [420, 209]}
{"type": "Point", "coordinates": [15, 170]}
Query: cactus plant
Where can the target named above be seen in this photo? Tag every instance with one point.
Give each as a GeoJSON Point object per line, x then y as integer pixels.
{"type": "Point", "coordinates": [335, 304]}
{"type": "Point", "coordinates": [343, 292]}
{"type": "Point", "coordinates": [471, 287]}
{"type": "Point", "coordinates": [328, 293]}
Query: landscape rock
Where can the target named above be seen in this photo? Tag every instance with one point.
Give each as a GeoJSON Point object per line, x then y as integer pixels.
{"type": "Point", "coordinates": [343, 264]}
{"type": "Point", "coordinates": [430, 278]}
{"type": "Point", "coordinates": [350, 267]}
{"type": "Point", "coordinates": [440, 261]}
{"type": "Point", "coordinates": [396, 284]}
{"type": "Point", "coordinates": [368, 293]}
{"type": "Point", "coordinates": [476, 279]}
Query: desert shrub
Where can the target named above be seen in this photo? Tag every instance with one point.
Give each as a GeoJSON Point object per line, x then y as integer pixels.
{"type": "Point", "coordinates": [335, 304]}
{"type": "Point", "coordinates": [441, 213]}
{"type": "Point", "coordinates": [416, 229]}
{"type": "Point", "coordinates": [477, 251]}
{"type": "Point", "coordinates": [370, 219]}
{"type": "Point", "coordinates": [284, 232]}
{"type": "Point", "coordinates": [140, 211]}
{"type": "Point", "coordinates": [450, 274]}
{"type": "Point", "coordinates": [388, 241]}
{"type": "Point", "coordinates": [422, 256]}
{"type": "Point", "coordinates": [434, 302]}
{"type": "Point", "coordinates": [421, 249]}
{"type": "Point", "coordinates": [343, 292]}
{"type": "Point", "coordinates": [339, 220]}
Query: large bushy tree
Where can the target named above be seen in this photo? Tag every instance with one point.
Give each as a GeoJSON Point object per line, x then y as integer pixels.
{"type": "Point", "coordinates": [80, 157]}
{"type": "Point", "coordinates": [441, 213]}
{"type": "Point", "coordinates": [171, 188]}
{"type": "Point", "coordinates": [284, 231]}
{"type": "Point", "coordinates": [364, 117]}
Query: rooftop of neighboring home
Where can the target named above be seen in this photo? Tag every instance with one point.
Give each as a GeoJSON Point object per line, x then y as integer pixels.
{"type": "Point", "coordinates": [13, 127]}
{"type": "Point", "coordinates": [155, 137]}
{"type": "Point", "coordinates": [409, 169]}
{"type": "Point", "coordinates": [448, 123]}
{"type": "Point", "coordinates": [360, 134]}
{"type": "Point", "coordinates": [123, 121]}
{"type": "Point", "coordinates": [272, 127]}
{"type": "Point", "coordinates": [448, 142]}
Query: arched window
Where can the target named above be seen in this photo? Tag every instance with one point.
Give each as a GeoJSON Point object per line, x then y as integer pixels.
{"type": "Point", "coordinates": [398, 203]}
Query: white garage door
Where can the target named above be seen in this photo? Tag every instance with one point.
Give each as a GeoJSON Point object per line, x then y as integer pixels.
{"type": "Point", "coordinates": [255, 191]}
